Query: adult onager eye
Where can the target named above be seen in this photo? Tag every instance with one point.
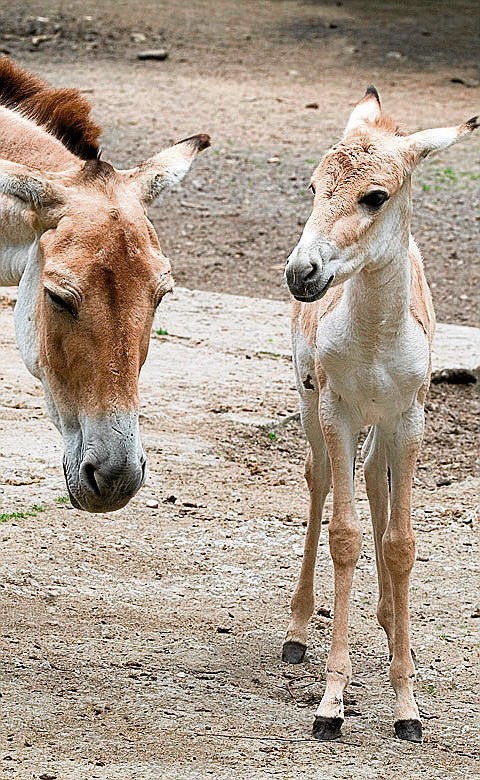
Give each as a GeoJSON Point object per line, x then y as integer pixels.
{"type": "Point", "coordinates": [374, 199]}
{"type": "Point", "coordinates": [61, 304]}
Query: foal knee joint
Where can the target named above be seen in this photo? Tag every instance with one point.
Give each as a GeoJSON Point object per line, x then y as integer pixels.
{"type": "Point", "coordinates": [345, 541]}
{"type": "Point", "coordinates": [399, 551]}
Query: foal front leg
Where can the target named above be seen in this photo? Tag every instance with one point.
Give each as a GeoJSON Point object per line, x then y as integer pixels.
{"type": "Point", "coordinates": [317, 475]}
{"type": "Point", "coordinates": [345, 539]}
{"type": "Point", "coordinates": [399, 555]}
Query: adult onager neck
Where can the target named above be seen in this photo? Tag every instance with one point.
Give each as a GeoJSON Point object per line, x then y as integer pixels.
{"type": "Point", "coordinates": [362, 329]}
{"type": "Point", "coordinates": [76, 239]}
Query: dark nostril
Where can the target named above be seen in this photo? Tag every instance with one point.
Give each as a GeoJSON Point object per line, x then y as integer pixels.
{"type": "Point", "coordinates": [89, 473]}
{"type": "Point", "coordinates": [312, 272]}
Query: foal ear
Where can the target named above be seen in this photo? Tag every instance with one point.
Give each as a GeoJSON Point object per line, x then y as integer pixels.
{"type": "Point", "coordinates": [427, 142]}
{"type": "Point", "coordinates": [367, 111]}
{"type": "Point", "coordinates": [30, 186]}
{"type": "Point", "coordinates": [166, 168]}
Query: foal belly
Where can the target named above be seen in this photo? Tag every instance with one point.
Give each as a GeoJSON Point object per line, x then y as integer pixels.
{"type": "Point", "coordinates": [373, 395]}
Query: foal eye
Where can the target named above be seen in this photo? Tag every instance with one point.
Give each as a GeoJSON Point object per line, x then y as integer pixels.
{"type": "Point", "coordinates": [375, 198]}
{"type": "Point", "coordinates": [60, 303]}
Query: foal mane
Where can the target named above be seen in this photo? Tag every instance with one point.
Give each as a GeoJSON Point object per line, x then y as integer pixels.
{"type": "Point", "coordinates": [64, 113]}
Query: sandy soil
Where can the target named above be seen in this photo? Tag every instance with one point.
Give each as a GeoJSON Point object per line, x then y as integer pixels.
{"type": "Point", "coordinates": [145, 644]}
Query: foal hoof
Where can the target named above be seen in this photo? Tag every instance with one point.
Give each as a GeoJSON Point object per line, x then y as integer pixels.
{"type": "Point", "coordinates": [293, 652]}
{"type": "Point", "coordinates": [326, 729]}
{"type": "Point", "coordinates": [410, 730]}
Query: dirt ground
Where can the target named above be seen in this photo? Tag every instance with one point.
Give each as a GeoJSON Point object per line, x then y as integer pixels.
{"type": "Point", "coordinates": [145, 644]}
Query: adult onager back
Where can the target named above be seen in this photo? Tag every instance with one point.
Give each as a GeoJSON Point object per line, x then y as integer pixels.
{"type": "Point", "coordinates": [362, 327]}
{"type": "Point", "coordinates": [75, 236]}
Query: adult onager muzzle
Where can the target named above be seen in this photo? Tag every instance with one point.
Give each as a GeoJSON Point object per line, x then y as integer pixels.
{"type": "Point", "coordinates": [77, 240]}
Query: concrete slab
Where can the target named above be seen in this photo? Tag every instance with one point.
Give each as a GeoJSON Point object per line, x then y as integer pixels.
{"type": "Point", "coordinates": [235, 323]}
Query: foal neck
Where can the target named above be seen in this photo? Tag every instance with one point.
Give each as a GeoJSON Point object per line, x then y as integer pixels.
{"type": "Point", "coordinates": [379, 294]}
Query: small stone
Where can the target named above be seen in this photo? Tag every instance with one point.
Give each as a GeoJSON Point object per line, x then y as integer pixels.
{"type": "Point", "coordinates": [36, 40]}
{"type": "Point", "coordinates": [152, 503]}
{"type": "Point", "coordinates": [324, 612]}
{"type": "Point", "coordinates": [153, 54]}
{"type": "Point", "coordinates": [312, 105]}
{"type": "Point", "coordinates": [394, 55]}
{"type": "Point", "coordinates": [273, 160]}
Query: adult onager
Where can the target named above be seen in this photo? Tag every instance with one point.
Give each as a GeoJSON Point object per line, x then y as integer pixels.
{"type": "Point", "coordinates": [75, 236]}
{"type": "Point", "coordinates": [362, 328]}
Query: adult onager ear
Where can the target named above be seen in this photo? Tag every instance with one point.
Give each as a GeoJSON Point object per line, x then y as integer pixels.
{"type": "Point", "coordinates": [33, 187]}
{"type": "Point", "coordinates": [367, 110]}
{"type": "Point", "coordinates": [166, 168]}
{"type": "Point", "coordinates": [427, 142]}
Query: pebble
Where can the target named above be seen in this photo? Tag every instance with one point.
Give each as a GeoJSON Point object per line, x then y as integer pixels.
{"type": "Point", "coordinates": [152, 503]}
{"type": "Point", "coordinates": [153, 54]}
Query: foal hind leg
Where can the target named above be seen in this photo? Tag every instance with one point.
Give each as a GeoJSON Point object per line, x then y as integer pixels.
{"type": "Point", "coordinates": [376, 479]}
{"type": "Point", "coordinates": [318, 477]}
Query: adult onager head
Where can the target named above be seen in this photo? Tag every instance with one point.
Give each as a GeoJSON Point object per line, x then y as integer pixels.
{"type": "Point", "coordinates": [362, 327]}
{"type": "Point", "coordinates": [75, 237]}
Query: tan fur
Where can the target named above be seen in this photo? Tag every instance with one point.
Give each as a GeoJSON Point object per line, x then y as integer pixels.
{"type": "Point", "coordinates": [119, 272]}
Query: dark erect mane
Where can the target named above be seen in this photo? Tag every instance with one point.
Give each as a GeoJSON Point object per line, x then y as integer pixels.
{"type": "Point", "coordinates": [63, 113]}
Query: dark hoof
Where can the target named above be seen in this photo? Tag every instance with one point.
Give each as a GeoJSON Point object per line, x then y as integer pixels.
{"type": "Point", "coordinates": [293, 652]}
{"type": "Point", "coordinates": [326, 729]}
{"type": "Point", "coordinates": [410, 730]}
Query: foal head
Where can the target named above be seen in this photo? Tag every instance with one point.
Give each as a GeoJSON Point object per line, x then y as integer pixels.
{"type": "Point", "coordinates": [361, 207]}
{"type": "Point", "coordinates": [86, 301]}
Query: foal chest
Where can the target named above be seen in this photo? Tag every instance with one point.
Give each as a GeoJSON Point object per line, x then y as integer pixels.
{"type": "Point", "coordinates": [376, 374]}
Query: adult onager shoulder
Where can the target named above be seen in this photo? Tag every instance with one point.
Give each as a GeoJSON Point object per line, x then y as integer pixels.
{"type": "Point", "coordinates": [75, 236]}
{"type": "Point", "coordinates": [363, 323]}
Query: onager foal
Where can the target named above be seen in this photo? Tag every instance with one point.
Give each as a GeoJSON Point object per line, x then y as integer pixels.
{"type": "Point", "coordinates": [362, 358]}
{"type": "Point", "coordinates": [75, 236]}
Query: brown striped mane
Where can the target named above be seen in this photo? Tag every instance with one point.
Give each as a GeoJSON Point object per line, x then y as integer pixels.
{"type": "Point", "coordinates": [64, 113]}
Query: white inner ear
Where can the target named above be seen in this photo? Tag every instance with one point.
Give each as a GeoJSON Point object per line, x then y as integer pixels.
{"type": "Point", "coordinates": [173, 164]}
{"type": "Point", "coordinates": [367, 111]}
{"type": "Point", "coordinates": [429, 141]}
{"type": "Point", "coordinates": [162, 171]}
